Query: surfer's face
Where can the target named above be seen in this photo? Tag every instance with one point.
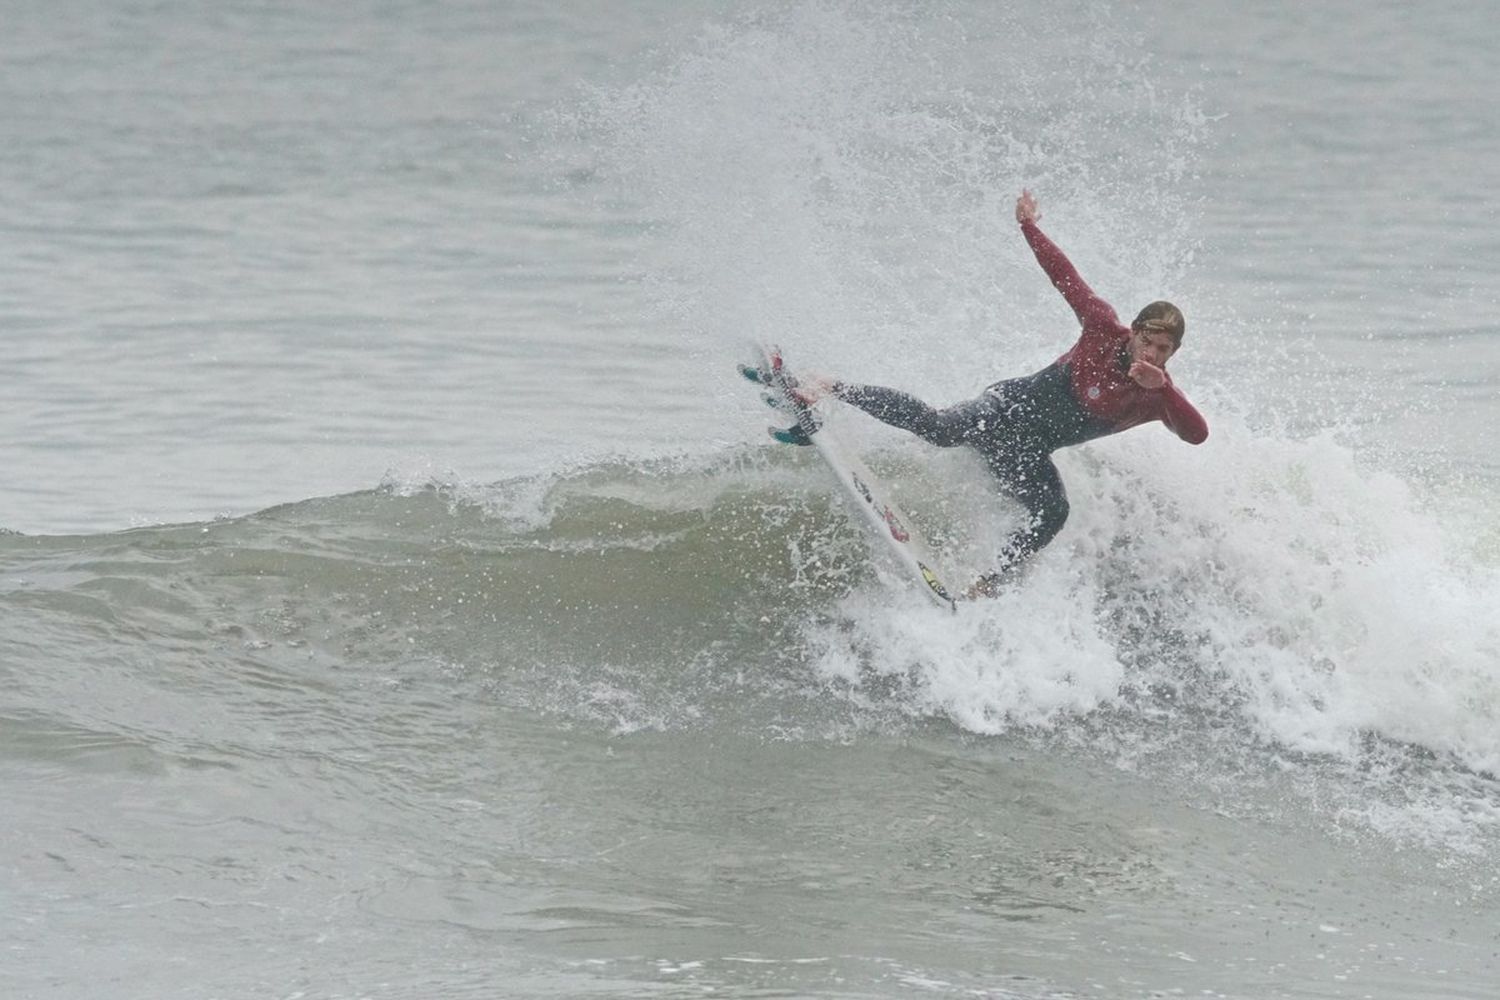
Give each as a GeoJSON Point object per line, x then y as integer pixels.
{"type": "Point", "coordinates": [1151, 346]}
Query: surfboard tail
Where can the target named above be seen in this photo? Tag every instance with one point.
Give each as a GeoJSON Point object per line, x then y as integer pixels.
{"type": "Point", "coordinates": [888, 524]}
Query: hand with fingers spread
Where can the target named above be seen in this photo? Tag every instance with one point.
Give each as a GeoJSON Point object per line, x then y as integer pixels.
{"type": "Point", "coordinates": [1026, 210]}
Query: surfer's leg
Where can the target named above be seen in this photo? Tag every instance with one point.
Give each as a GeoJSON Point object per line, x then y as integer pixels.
{"type": "Point", "coordinates": [1034, 480]}
{"type": "Point", "coordinates": [945, 428]}
{"type": "Point", "coordinates": [1039, 487]}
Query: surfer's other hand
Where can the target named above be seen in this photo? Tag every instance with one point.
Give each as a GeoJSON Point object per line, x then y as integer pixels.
{"type": "Point", "coordinates": [1147, 376]}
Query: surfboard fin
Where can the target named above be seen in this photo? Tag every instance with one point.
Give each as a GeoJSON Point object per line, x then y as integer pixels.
{"type": "Point", "coordinates": [756, 374]}
{"type": "Point", "coordinates": [790, 435]}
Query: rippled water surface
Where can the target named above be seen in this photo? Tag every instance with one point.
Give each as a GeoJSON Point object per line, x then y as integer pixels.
{"type": "Point", "coordinates": [399, 596]}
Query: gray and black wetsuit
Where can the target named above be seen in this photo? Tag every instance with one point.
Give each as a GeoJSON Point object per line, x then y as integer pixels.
{"type": "Point", "coordinates": [1015, 426]}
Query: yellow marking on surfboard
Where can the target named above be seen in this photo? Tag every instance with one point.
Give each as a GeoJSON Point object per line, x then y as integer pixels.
{"type": "Point", "coordinates": [932, 581]}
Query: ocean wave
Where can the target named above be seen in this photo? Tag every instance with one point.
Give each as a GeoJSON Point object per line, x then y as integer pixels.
{"type": "Point", "coordinates": [1274, 598]}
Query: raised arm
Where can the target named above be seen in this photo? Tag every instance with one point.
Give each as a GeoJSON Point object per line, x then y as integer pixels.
{"type": "Point", "coordinates": [1087, 306]}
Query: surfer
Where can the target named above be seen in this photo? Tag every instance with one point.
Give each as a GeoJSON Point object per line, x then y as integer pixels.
{"type": "Point", "coordinates": [1113, 378]}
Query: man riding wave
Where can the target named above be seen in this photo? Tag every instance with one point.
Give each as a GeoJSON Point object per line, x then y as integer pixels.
{"type": "Point", "coordinates": [1112, 378]}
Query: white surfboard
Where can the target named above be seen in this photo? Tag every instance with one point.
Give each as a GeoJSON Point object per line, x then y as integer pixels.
{"type": "Point", "coordinates": [890, 527]}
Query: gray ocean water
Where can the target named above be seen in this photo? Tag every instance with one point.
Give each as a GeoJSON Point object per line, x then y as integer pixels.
{"type": "Point", "coordinates": [399, 596]}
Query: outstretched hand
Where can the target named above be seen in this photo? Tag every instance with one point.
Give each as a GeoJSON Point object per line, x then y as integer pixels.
{"type": "Point", "coordinates": [1026, 210]}
{"type": "Point", "coordinates": [1147, 376]}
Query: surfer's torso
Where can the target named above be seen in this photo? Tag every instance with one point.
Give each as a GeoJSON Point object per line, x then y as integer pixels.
{"type": "Point", "coordinates": [1079, 397]}
{"type": "Point", "coordinates": [1101, 397]}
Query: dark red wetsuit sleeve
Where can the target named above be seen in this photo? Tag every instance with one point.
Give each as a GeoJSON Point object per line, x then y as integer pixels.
{"type": "Point", "coordinates": [1181, 417]}
{"type": "Point", "coordinates": [1091, 310]}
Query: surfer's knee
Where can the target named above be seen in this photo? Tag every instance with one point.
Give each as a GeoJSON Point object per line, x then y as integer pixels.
{"type": "Point", "coordinates": [948, 428]}
{"type": "Point", "coordinates": [1049, 517]}
{"type": "Point", "coordinates": [972, 422]}
{"type": "Point", "coordinates": [1049, 512]}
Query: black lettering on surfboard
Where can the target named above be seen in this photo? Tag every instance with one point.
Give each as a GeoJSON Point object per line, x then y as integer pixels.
{"type": "Point", "coordinates": [864, 490]}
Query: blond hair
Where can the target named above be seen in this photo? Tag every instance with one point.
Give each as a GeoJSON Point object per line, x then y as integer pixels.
{"type": "Point", "coordinates": [1161, 317]}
